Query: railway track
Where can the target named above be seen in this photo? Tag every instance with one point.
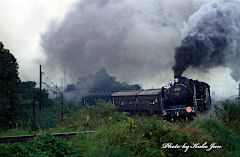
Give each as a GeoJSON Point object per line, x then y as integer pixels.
{"type": "Point", "coordinates": [24, 138]}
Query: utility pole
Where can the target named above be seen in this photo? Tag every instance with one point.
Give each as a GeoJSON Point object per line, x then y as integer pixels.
{"type": "Point", "coordinates": [34, 125]}
{"type": "Point", "coordinates": [239, 92]}
{"type": "Point", "coordinates": [61, 107]}
{"type": "Point", "coordinates": [62, 82]}
{"type": "Point", "coordinates": [40, 87]}
{"type": "Point", "coordinates": [64, 76]}
{"type": "Point", "coordinates": [62, 104]}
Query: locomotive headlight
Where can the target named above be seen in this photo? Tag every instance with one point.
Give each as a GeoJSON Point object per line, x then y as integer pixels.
{"type": "Point", "coordinates": [189, 109]}
{"type": "Point", "coordinates": [164, 113]}
{"type": "Point", "coordinates": [176, 80]}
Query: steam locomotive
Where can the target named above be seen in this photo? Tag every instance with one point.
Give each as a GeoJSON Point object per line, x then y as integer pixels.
{"type": "Point", "coordinates": [184, 97]}
{"type": "Point", "coordinates": [181, 99]}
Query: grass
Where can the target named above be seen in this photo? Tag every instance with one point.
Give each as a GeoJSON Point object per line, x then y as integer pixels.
{"type": "Point", "coordinates": [221, 133]}
{"type": "Point", "coordinates": [213, 130]}
{"type": "Point", "coordinates": [133, 137]}
{"type": "Point", "coordinates": [14, 132]}
{"type": "Point", "coordinates": [229, 113]}
{"type": "Point", "coordinates": [43, 146]}
{"type": "Point", "coordinates": [118, 134]}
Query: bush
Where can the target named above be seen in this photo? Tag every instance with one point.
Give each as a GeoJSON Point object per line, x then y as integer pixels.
{"type": "Point", "coordinates": [223, 135]}
{"type": "Point", "coordinates": [145, 137]}
{"type": "Point", "coordinates": [220, 132]}
{"type": "Point", "coordinates": [14, 132]}
{"type": "Point", "coordinates": [42, 146]}
{"type": "Point", "coordinates": [5, 150]}
{"type": "Point", "coordinates": [49, 117]}
{"type": "Point", "coordinates": [229, 112]}
{"type": "Point", "coordinates": [193, 131]}
{"type": "Point", "coordinates": [91, 117]}
{"type": "Point", "coordinates": [118, 134]}
{"type": "Point", "coordinates": [117, 151]}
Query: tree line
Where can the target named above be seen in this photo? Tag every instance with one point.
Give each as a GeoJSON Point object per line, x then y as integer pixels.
{"type": "Point", "coordinates": [15, 96]}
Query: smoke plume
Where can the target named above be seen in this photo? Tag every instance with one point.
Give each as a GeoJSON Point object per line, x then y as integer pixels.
{"type": "Point", "coordinates": [99, 82]}
{"type": "Point", "coordinates": [134, 40]}
{"type": "Point", "coordinates": [211, 38]}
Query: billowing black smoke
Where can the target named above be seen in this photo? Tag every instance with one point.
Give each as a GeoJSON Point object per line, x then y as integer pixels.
{"type": "Point", "coordinates": [99, 82]}
{"type": "Point", "coordinates": [200, 52]}
{"type": "Point", "coordinates": [134, 40]}
{"type": "Point", "coordinates": [211, 39]}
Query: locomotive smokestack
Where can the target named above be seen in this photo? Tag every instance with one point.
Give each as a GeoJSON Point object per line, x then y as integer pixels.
{"type": "Point", "coordinates": [177, 73]}
{"type": "Point", "coordinates": [211, 39]}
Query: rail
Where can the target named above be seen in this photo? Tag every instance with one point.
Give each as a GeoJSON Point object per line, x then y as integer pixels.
{"type": "Point", "coordinates": [24, 138]}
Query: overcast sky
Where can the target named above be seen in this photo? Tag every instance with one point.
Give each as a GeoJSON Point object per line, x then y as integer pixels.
{"type": "Point", "coordinates": [23, 22]}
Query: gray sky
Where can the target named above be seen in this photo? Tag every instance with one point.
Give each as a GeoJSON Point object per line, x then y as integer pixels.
{"type": "Point", "coordinates": [24, 22]}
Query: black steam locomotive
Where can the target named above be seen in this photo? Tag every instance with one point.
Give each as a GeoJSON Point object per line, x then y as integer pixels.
{"type": "Point", "coordinates": [184, 97]}
{"type": "Point", "coordinates": [180, 99]}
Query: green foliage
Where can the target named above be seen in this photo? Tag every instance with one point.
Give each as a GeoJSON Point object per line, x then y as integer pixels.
{"type": "Point", "coordinates": [193, 131]}
{"type": "Point", "coordinates": [5, 150]}
{"type": "Point", "coordinates": [16, 97]}
{"type": "Point", "coordinates": [118, 134]}
{"type": "Point", "coordinates": [93, 145]}
{"type": "Point", "coordinates": [14, 132]}
{"type": "Point", "coordinates": [229, 113]}
{"type": "Point", "coordinates": [146, 136]}
{"type": "Point", "coordinates": [49, 117]}
{"type": "Point", "coordinates": [117, 151]}
{"type": "Point", "coordinates": [28, 90]}
{"type": "Point", "coordinates": [88, 144]}
{"type": "Point", "coordinates": [91, 117]}
{"type": "Point", "coordinates": [133, 137]}
{"type": "Point", "coordinates": [222, 134]}
{"type": "Point", "coordinates": [42, 146]}
{"type": "Point", "coordinates": [9, 91]}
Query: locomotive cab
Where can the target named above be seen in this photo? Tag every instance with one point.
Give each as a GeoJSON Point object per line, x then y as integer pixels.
{"type": "Point", "coordinates": [203, 98]}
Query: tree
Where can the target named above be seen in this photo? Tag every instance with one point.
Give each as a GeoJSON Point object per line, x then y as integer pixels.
{"type": "Point", "coordinates": [27, 90]}
{"type": "Point", "coordinates": [9, 87]}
